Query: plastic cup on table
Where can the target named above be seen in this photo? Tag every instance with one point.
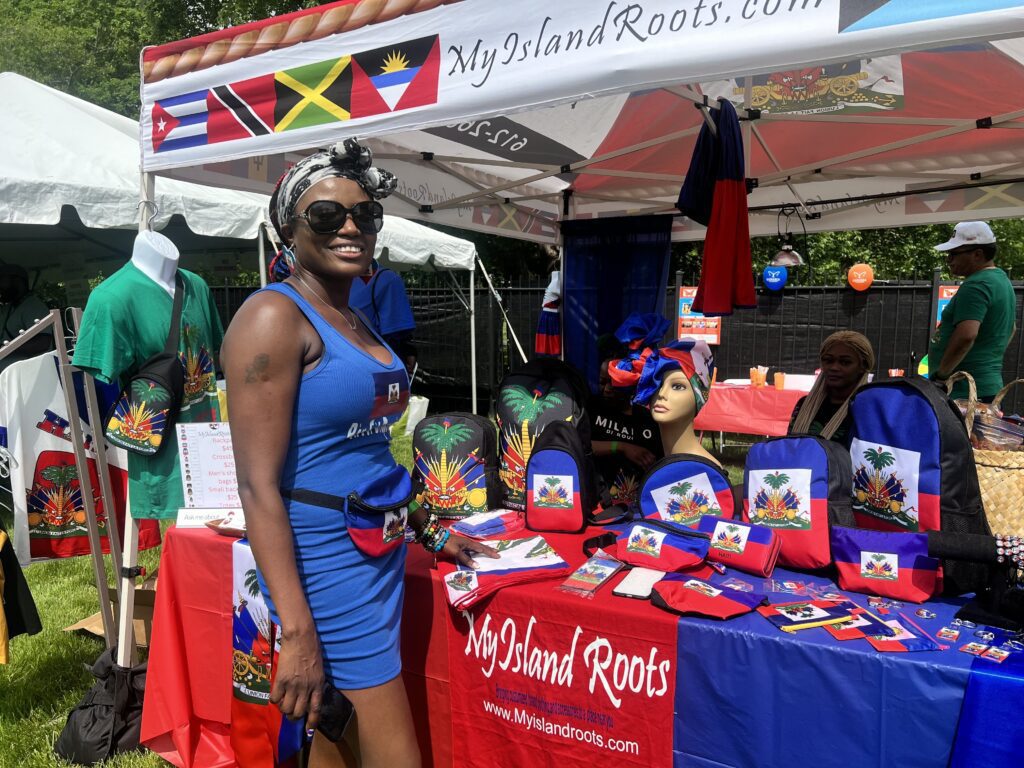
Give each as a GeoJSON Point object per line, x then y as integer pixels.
{"type": "Point", "coordinates": [895, 372]}
{"type": "Point", "coordinates": [780, 380]}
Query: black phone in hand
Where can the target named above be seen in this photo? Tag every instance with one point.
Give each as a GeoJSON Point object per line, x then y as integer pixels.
{"type": "Point", "coordinates": [336, 713]}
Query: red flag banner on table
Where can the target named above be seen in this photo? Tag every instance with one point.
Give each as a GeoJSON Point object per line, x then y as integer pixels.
{"type": "Point", "coordinates": [714, 194]}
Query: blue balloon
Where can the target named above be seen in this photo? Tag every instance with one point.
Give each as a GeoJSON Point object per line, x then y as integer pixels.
{"type": "Point", "coordinates": [775, 277]}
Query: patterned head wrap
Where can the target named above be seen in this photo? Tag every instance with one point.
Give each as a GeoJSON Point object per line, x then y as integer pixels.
{"type": "Point", "coordinates": [637, 332]}
{"type": "Point", "coordinates": [346, 160]}
{"type": "Point", "coordinates": [693, 358]}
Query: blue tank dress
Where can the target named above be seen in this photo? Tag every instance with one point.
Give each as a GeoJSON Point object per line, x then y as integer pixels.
{"type": "Point", "coordinates": [340, 439]}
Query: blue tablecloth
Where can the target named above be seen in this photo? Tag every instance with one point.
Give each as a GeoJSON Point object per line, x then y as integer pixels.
{"type": "Point", "coordinates": [750, 695]}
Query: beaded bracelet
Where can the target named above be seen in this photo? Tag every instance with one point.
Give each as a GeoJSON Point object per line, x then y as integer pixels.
{"type": "Point", "coordinates": [441, 541]}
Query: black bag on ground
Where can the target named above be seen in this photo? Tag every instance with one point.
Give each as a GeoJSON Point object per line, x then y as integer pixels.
{"type": "Point", "coordinates": [108, 719]}
{"type": "Point", "coordinates": [561, 482]}
{"type": "Point", "coordinates": [913, 469]}
{"type": "Point", "coordinates": [542, 392]}
{"type": "Point", "coordinates": [455, 464]}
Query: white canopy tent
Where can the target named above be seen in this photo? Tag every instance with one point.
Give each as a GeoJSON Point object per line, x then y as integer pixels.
{"type": "Point", "coordinates": [60, 154]}
{"type": "Point", "coordinates": [858, 113]}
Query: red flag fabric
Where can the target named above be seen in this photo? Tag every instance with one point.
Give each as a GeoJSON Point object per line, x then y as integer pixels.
{"type": "Point", "coordinates": [715, 194]}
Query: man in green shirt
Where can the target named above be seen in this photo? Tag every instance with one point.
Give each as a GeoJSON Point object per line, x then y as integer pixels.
{"type": "Point", "coordinates": [977, 324]}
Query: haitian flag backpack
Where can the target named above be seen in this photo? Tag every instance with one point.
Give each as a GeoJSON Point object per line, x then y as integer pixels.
{"type": "Point", "coordinates": [544, 391]}
{"type": "Point", "coordinates": [561, 483]}
{"type": "Point", "coordinates": [683, 487]}
{"type": "Point", "coordinates": [799, 486]}
{"type": "Point", "coordinates": [913, 468]}
{"type": "Point", "coordinates": [455, 465]}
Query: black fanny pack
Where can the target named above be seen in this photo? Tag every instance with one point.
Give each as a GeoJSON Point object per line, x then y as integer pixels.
{"type": "Point", "coordinates": [376, 515]}
{"type": "Point", "coordinates": [148, 405]}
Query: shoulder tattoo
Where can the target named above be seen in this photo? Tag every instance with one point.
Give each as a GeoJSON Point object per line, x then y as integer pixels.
{"type": "Point", "coordinates": [257, 369]}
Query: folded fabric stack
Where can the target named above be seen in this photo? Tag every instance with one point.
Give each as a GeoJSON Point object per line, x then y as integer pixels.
{"type": "Point", "coordinates": [487, 525]}
{"type": "Point", "coordinates": [522, 561]}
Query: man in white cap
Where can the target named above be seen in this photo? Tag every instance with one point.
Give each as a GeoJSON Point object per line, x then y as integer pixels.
{"type": "Point", "coordinates": [978, 322]}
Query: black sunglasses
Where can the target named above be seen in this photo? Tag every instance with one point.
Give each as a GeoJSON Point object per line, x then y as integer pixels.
{"type": "Point", "coordinates": [325, 217]}
{"type": "Point", "coordinates": [961, 251]}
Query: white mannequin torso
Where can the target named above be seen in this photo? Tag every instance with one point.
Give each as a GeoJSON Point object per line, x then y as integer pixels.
{"type": "Point", "coordinates": [157, 258]}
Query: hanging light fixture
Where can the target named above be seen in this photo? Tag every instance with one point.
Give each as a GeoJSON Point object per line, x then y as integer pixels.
{"type": "Point", "coordinates": [787, 255]}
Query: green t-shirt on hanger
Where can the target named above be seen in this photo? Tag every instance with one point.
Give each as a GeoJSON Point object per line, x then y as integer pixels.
{"type": "Point", "coordinates": [126, 321]}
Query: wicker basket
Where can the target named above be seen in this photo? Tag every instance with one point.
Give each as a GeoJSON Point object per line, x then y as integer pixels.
{"type": "Point", "coordinates": [1000, 473]}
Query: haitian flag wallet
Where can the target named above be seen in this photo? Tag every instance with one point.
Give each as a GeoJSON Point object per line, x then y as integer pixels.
{"type": "Point", "coordinates": [747, 547]}
{"type": "Point", "coordinates": [685, 594]}
{"type": "Point", "coordinates": [886, 563]}
{"type": "Point", "coordinates": [789, 617]}
{"type": "Point", "coordinates": [662, 546]}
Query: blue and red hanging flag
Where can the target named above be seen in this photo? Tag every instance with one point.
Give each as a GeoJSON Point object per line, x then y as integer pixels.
{"type": "Point", "coordinates": [714, 194]}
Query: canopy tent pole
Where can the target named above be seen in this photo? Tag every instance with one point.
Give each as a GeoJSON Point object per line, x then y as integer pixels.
{"type": "Point", "coordinates": [501, 306]}
{"type": "Point", "coordinates": [262, 247]}
{"type": "Point", "coordinates": [472, 333]}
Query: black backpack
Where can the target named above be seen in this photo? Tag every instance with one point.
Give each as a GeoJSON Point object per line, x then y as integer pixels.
{"type": "Point", "coordinates": [544, 391]}
{"type": "Point", "coordinates": [561, 483]}
{"type": "Point", "coordinates": [913, 468]}
{"type": "Point", "coordinates": [455, 464]}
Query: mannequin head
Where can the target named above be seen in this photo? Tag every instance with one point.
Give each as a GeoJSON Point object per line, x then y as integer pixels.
{"type": "Point", "coordinates": [675, 400]}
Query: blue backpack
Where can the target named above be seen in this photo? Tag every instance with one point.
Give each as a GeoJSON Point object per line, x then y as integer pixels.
{"type": "Point", "coordinates": [799, 486]}
{"type": "Point", "coordinates": [681, 488]}
{"type": "Point", "coordinates": [561, 483]}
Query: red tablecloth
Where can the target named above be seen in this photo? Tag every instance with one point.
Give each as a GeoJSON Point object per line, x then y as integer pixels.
{"type": "Point", "coordinates": [530, 643]}
{"type": "Point", "coordinates": [187, 710]}
{"type": "Point", "coordinates": [747, 410]}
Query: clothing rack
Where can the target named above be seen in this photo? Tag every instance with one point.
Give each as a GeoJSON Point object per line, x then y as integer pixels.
{"type": "Point", "coordinates": [52, 323]}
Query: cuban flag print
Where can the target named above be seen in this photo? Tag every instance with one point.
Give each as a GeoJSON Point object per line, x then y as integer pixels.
{"type": "Point", "coordinates": [179, 122]}
{"type": "Point", "coordinates": [390, 393]}
{"type": "Point", "coordinates": [893, 565]}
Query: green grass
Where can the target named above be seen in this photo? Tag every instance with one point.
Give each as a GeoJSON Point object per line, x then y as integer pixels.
{"type": "Point", "coordinates": [47, 673]}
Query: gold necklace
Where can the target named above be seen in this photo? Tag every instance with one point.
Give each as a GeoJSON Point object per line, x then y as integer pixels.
{"type": "Point", "coordinates": [351, 322]}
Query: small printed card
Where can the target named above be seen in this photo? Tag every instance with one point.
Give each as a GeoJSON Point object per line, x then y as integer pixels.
{"type": "Point", "coordinates": [949, 633]}
{"type": "Point", "coordinates": [198, 518]}
{"type": "Point", "coordinates": [996, 654]}
{"type": "Point", "coordinates": [590, 576]}
{"type": "Point", "coordinates": [975, 649]}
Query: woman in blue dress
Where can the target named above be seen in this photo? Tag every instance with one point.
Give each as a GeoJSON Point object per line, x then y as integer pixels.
{"type": "Point", "coordinates": [312, 393]}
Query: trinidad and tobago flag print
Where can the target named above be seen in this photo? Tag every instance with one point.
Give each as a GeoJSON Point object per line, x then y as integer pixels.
{"type": "Point", "coordinates": [375, 82]}
{"type": "Point", "coordinates": [390, 393]}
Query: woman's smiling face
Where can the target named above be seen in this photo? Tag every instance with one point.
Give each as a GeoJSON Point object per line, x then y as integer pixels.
{"type": "Point", "coordinates": [345, 253]}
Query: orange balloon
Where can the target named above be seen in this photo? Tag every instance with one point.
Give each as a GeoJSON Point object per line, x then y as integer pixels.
{"type": "Point", "coordinates": [860, 277]}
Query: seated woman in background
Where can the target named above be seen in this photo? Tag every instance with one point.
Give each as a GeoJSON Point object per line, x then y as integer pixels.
{"type": "Point", "coordinates": [846, 358]}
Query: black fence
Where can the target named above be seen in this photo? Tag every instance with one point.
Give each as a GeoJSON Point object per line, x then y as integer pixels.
{"type": "Point", "coordinates": [784, 332]}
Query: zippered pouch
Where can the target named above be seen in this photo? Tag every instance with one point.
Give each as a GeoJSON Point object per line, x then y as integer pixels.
{"type": "Point", "coordinates": [748, 547]}
{"type": "Point", "coordinates": [886, 563]}
{"type": "Point", "coordinates": [662, 546]}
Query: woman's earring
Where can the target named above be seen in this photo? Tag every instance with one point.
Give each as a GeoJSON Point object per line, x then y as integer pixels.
{"type": "Point", "coordinates": [288, 255]}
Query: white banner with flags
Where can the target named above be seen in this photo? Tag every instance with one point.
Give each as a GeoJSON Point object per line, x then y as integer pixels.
{"type": "Point", "coordinates": [285, 84]}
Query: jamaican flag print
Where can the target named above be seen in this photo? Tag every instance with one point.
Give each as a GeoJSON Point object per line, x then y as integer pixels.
{"type": "Point", "coordinates": [350, 86]}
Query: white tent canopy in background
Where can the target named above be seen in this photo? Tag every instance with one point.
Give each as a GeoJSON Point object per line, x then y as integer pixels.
{"type": "Point", "coordinates": [59, 152]}
{"type": "Point", "coordinates": [509, 122]}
